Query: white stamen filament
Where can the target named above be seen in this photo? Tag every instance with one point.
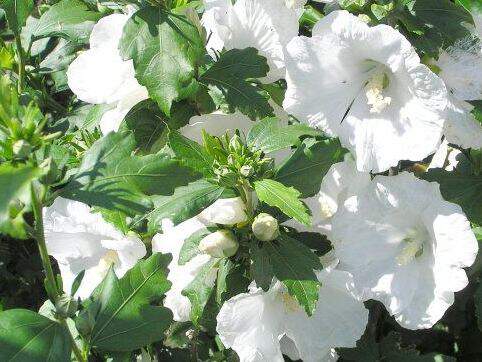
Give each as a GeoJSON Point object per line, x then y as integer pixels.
{"type": "Point", "coordinates": [327, 206]}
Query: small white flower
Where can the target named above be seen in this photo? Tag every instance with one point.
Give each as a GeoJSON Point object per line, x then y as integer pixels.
{"type": "Point", "coordinates": [100, 75]}
{"type": "Point", "coordinates": [261, 326]}
{"type": "Point", "coordinates": [267, 25]}
{"type": "Point", "coordinates": [340, 182]}
{"type": "Point", "coordinates": [81, 240]}
{"type": "Point", "coordinates": [171, 240]}
{"type": "Point", "coordinates": [405, 246]}
{"type": "Point", "coordinates": [367, 86]}
{"type": "Point", "coordinates": [220, 244]}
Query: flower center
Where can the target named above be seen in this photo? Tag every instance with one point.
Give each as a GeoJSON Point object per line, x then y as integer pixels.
{"type": "Point", "coordinates": [109, 258]}
{"type": "Point", "coordinates": [327, 206]}
{"type": "Point", "coordinates": [374, 92]}
{"type": "Point", "coordinates": [412, 249]}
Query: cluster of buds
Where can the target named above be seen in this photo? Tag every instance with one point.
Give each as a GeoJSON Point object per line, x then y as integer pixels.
{"type": "Point", "coordinates": [21, 124]}
{"type": "Point", "coordinates": [234, 160]}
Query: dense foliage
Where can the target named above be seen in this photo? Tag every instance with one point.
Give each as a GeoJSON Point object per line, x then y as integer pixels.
{"type": "Point", "coordinates": [253, 180]}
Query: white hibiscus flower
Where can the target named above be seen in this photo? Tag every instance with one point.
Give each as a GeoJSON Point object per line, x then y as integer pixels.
{"type": "Point", "coordinates": [405, 246]}
{"type": "Point", "coordinates": [340, 182]}
{"type": "Point", "coordinates": [100, 75]}
{"type": "Point", "coordinates": [81, 240]}
{"type": "Point", "coordinates": [223, 211]}
{"type": "Point", "coordinates": [267, 25]}
{"type": "Point", "coordinates": [261, 326]}
{"type": "Point", "coordinates": [367, 86]}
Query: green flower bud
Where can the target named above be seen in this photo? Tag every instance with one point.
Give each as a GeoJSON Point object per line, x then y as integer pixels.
{"type": "Point", "coordinates": [21, 149]}
{"type": "Point", "coordinates": [220, 244]}
{"type": "Point", "coordinates": [265, 227]}
{"type": "Point", "coordinates": [66, 306]}
{"type": "Point", "coordinates": [246, 170]}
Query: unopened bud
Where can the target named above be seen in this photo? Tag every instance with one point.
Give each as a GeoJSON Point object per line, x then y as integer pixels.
{"type": "Point", "coordinates": [21, 148]}
{"type": "Point", "coordinates": [246, 170]}
{"type": "Point", "coordinates": [265, 227]}
{"type": "Point", "coordinates": [66, 306]}
{"type": "Point", "coordinates": [220, 244]}
{"type": "Point", "coordinates": [235, 143]}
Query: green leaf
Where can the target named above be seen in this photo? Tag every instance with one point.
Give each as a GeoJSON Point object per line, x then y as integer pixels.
{"type": "Point", "coordinates": [191, 154]}
{"type": "Point", "coordinates": [200, 289]}
{"type": "Point", "coordinates": [270, 135]}
{"type": "Point", "coordinates": [307, 166]}
{"type": "Point", "coordinates": [465, 190]}
{"type": "Point", "coordinates": [17, 12]}
{"type": "Point", "coordinates": [231, 74]}
{"type": "Point", "coordinates": [232, 280]}
{"type": "Point", "coordinates": [15, 185]}
{"type": "Point", "coordinates": [287, 199]}
{"type": "Point", "coordinates": [190, 247]}
{"type": "Point", "coordinates": [26, 336]}
{"type": "Point", "coordinates": [292, 263]}
{"type": "Point", "coordinates": [70, 19]}
{"type": "Point", "coordinates": [434, 24]}
{"type": "Point", "coordinates": [110, 176]}
{"type": "Point", "coordinates": [148, 124]}
{"type": "Point", "coordinates": [120, 316]}
{"type": "Point", "coordinates": [166, 49]}
{"type": "Point", "coordinates": [186, 202]}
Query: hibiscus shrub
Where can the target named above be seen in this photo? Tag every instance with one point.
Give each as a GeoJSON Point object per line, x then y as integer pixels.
{"type": "Point", "coordinates": [240, 180]}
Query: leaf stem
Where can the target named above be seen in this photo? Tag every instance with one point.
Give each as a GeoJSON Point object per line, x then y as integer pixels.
{"type": "Point", "coordinates": [21, 64]}
{"type": "Point", "coordinates": [39, 235]}
{"type": "Point", "coordinates": [53, 290]}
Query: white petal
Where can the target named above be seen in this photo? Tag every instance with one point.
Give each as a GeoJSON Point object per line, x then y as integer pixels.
{"type": "Point", "coordinates": [460, 68]}
{"type": "Point", "coordinates": [100, 76]}
{"type": "Point", "coordinates": [112, 119]}
{"type": "Point", "coordinates": [216, 124]}
{"type": "Point", "coordinates": [108, 31]}
{"type": "Point", "coordinates": [461, 127]}
{"type": "Point", "coordinates": [171, 241]}
{"type": "Point", "coordinates": [339, 320]}
{"type": "Point", "coordinates": [251, 324]}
